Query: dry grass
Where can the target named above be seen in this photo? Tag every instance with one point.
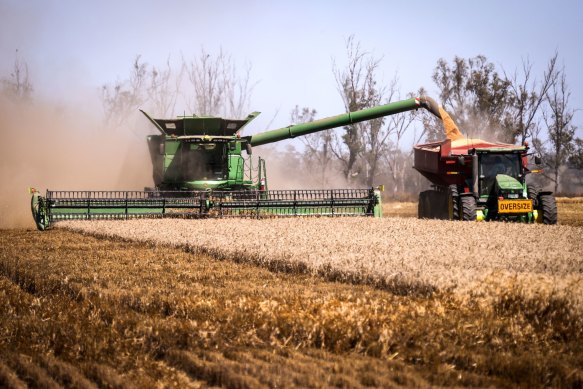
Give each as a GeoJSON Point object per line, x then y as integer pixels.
{"type": "Point", "coordinates": [403, 255]}
{"type": "Point", "coordinates": [77, 310]}
{"type": "Point", "coordinates": [399, 209]}
{"type": "Point", "coordinates": [570, 210]}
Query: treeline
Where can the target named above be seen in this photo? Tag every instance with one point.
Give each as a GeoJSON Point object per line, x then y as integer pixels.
{"type": "Point", "coordinates": [486, 101]}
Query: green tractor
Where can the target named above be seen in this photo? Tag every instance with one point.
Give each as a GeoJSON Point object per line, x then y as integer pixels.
{"type": "Point", "coordinates": [477, 180]}
{"type": "Point", "coordinates": [202, 167]}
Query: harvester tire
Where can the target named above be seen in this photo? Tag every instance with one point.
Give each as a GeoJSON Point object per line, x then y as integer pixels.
{"type": "Point", "coordinates": [468, 208]}
{"type": "Point", "coordinates": [548, 207]}
{"type": "Point", "coordinates": [38, 212]}
{"type": "Point", "coordinates": [453, 203]}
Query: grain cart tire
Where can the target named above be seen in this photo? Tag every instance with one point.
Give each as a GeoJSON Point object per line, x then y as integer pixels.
{"type": "Point", "coordinates": [548, 207]}
{"type": "Point", "coordinates": [468, 208]}
{"type": "Point", "coordinates": [422, 206]}
{"type": "Point", "coordinates": [453, 203]}
{"type": "Point", "coordinates": [533, 191]}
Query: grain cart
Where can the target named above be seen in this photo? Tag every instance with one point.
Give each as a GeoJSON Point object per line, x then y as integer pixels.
{"type": "Point", "coordinates": [202, 167]}
{"type": "Point", "coordinates": [473, 179]}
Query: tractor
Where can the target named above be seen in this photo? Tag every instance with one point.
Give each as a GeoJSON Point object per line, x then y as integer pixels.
{"type": "Point", "coordinates": [473, 179]}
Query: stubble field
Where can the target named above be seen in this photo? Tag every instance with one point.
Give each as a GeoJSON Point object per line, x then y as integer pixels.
{"type": "Point", "coordinates": [302, 302]}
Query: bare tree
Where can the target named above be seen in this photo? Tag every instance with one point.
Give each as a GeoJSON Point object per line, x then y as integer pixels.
{"type": "Point", "coordinates": [125, 97]}
{"type": "Point", "coordinates": [317, 155]}
{"type": "Point", "coordinates": [163, 89]}
{"type": "Point", "coordinates": [527, 96]}
{"type": "Point", "coordinates": [396, 129]}
{"type": "Point", "coordinates": [365, 144]}
{"type": "Point", "coordinates": [217, 88]}
{"type": "Point", "coordinates": [358, 89]}
{"type": "Point", "coordinates": [576, 158]}
{"type": "Point", "coordinates": [350, 86]}
{"type": "Point", "coordinates": [558, 118]}
{"type": "Point", "coordinates": [213, 88]}
{"type": "Point", "coordinates": [18, 85]}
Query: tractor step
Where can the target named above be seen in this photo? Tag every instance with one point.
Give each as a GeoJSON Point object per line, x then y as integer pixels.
{"type": "Point", "coordinates": [68, 205]}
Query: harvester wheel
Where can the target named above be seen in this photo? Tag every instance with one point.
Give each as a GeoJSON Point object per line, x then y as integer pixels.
{"type": "Point", "coordinates": [548, 207]}
{"type": "Point", "coordinates": [468, 208]}
{"type": "Point", "coordinates": [38, 212]}
{"type": "Point", "coordinates": [453, 203]}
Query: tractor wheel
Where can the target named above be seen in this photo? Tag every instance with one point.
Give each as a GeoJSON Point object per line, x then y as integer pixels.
{"type": "Point", "coordinates": [453, 203]}
{"type": "Point", "coordinates": [548, 207]}
{"type": "Point", "coordinates": [533, 191]}
{"type": "Point", "coordinates": [468, 208]}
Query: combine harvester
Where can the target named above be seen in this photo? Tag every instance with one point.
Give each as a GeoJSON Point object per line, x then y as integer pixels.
{"type": "Point", "coordinates": [474, 179]}
{"type": "Point", "coordinates": [199, 170]}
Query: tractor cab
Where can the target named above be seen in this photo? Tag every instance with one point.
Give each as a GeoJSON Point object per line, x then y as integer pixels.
{"type": "Point", "coordinates": [500, 173]}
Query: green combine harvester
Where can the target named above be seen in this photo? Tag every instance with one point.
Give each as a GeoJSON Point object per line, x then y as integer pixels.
{"type": "Point", "coordinates": [199, 170]}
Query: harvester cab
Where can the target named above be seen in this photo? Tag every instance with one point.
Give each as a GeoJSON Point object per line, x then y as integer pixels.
{"type": "Point", "coordinates": [473, 179]}
{"type": "Point", "coordinates": [200, 153]}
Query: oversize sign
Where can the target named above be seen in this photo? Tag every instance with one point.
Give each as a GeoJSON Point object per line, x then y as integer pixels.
{"type": "Point", "coordinates": [514, 206]}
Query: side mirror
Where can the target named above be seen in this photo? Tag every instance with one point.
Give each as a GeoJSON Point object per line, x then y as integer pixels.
{"type": "Point", "coordinates": [248, 148]}
{"type": "Point", "coordinates": [537, 160]}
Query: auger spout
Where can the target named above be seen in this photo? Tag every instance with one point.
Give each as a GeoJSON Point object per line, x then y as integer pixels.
{"type": "Point", "coordinates": [345, 119]}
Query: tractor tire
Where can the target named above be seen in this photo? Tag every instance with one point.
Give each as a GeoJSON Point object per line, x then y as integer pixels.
{"type": "Point", "coordinates": [533, 191]}
{"type": "Point", "coordinates": [468, 208]}
{"type": "Point", "coordinates": [453, 203]}
{"type": "Point", "coordinates": [548, 207]}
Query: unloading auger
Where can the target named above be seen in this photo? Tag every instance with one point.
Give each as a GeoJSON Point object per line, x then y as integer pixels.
{"type": "Point", "coordinates": [199, 170]}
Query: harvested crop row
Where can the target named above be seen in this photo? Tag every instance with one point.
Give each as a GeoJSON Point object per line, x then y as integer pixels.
{"type": "Point", "coordinates": [407, 255]}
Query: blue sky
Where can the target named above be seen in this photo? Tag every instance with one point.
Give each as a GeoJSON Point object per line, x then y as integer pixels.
{"type": "Point", "coordinates": [75, 46]}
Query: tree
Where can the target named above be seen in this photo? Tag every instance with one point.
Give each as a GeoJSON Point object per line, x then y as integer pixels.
{"type": "Point", "coordinates": [576, 158]}
{"type": "Point", "coordinates": [527, 95]}
{"type": "Point", "coordinates": [213, 88]}
{"type": "Point", "coordinates": [362, 146]}
{"type": "Point", "coordinates": [217, 88]}
{"type": "Point", "coordinates": [18, 86]}
{"type": "Point", "coordinates": [475, 95]}
{"type": "Point", "coordinates": [124, 97]}
{"type": "Point", "coordinates": [317, 156]}
{"type": "Point", "coordinates": [357, 87]}
{"type": "Point", "coordinates": [558, 118]}
{"type": "Point", "coordinates": [163, 89]}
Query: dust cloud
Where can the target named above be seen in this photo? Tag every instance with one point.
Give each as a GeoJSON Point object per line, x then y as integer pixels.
{"type": "Point", "coordinates": [288, 169]}
{"type": "Point", "coordinates": [56, 147]}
